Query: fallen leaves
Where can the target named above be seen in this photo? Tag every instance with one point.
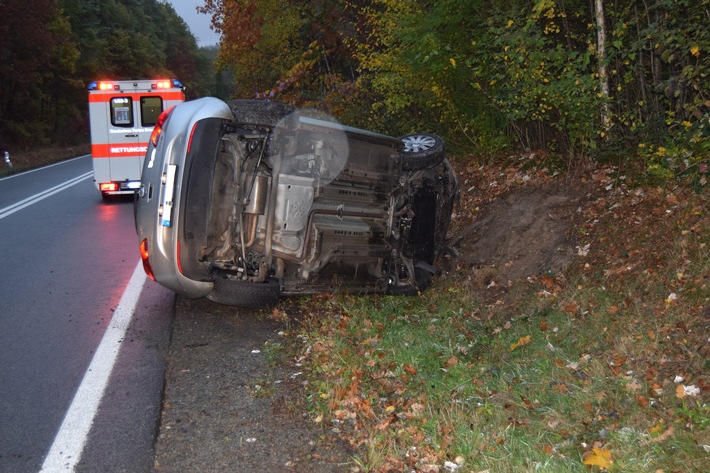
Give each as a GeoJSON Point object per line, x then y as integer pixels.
{"type": "Point", "coordinates": [633, 386]}
{"type": "Point", "coordinates": [598, 457]}
{"type": "Point", "coordinates": [682, 391]}
{"type": "Point", "coordinates": [641, 401]}
{"type": "Point", "coordinates": [451, 362]}
{"type": "Point", "coordinates": [617, 364]}
{"type": "Point", "coordinates": [583, 250]}
{"type": "Point", "coordinates": [522, 341]}
{"type": "Point", "coordinates": [672, 297]}
{"type": "Point", "coordinates": [658, 434]}
{"type": "Point", "coordinates": [570, 308]}
{"type": "Point", "coordinates": [560, 388]}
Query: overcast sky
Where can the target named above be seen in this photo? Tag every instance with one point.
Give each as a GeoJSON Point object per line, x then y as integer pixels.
{"type": "Point", "coordinates": [199, 24]}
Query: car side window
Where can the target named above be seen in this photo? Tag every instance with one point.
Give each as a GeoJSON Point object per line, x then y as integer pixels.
{"type": "Point", "coordinates": [122, 111]}
{"type": "Point", "coordinates": [150, 110]}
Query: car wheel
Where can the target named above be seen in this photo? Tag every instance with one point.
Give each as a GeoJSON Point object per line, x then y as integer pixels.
{"type": "Point", "coordinates": [422, 151]}
{"type": "Point", "coordinates": [246, 294]}
{"type": "Point", "coordinates": [260, 112]}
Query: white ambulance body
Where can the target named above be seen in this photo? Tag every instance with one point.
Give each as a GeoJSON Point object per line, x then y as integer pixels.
{"type": "Point", "coordinates": [122, 115]}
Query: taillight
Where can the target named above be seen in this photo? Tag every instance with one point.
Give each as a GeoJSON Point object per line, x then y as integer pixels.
{"type": "Point", "coordinates": [145, 258]}
{"type": "Point", "coordinates": [158, 130]}
{"type": "Point", "coordinates": [177, 254]}
{"type": "Point", "coordinates": [108, 186]}
{"type": "Point", "coordinates": [192, 134]}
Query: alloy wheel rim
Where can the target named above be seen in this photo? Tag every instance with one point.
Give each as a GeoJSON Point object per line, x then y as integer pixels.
{"type": "Point", "coordinates": [417, 143]}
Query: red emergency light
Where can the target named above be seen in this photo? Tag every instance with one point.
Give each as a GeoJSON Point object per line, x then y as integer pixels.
{"type": "Point", "coordinates": [108, 86]}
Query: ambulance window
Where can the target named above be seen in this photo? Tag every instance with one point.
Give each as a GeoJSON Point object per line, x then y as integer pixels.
{"type": "Point", "coordinates": [150, 110]}
{"type": "Point", "coordinates": [122, 111]}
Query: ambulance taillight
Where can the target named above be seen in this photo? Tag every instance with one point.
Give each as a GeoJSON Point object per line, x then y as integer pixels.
{"type": "Point", "coordinates": [158, 130]}
{"type": "Point", "coordinates": [108, 187]}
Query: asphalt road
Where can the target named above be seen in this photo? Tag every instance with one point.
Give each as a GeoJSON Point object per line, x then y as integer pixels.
{"type": "Point", "coordinates": [66, 260]}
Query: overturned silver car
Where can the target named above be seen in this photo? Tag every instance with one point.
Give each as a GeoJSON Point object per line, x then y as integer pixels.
{"type": "Point", "coordinates": [247, 201]}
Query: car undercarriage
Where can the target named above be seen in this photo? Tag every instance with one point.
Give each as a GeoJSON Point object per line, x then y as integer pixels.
{"type": "Point", "coordinates": [311, 204]}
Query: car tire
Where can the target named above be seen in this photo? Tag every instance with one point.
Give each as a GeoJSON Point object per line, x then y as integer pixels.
{"type": "Point", "coordinates": [261, 112]}
{"type": "Point", "coordinates": [422, 151]}
{"type": "Point", "coordinates": [246, 294]}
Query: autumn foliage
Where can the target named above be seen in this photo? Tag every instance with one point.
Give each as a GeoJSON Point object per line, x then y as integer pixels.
{"type": "Point", "coordinates": [489, 75]}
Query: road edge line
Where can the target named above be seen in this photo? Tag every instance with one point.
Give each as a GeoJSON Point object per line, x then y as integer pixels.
{"type": "Point", "coordinates": [69, 443]}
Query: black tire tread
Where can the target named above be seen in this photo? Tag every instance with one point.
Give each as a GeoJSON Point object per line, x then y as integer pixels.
{"type": "Point", "coordinates": [245, 294]}
{"type": "Point", "coordinates": [260, 112]}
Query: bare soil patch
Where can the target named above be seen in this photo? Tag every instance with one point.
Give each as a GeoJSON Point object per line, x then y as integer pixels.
{"type": "Point", "coordinates": [514, 223]}
{"type": "Point", "coordinates": [524, 233]}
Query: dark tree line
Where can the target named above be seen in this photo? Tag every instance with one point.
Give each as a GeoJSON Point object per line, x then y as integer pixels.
{"type": "Point", "coordinates": [50, 50]}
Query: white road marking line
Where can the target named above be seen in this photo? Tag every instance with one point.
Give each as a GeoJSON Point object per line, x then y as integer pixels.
{"type": "Point", "coordinates": [7, 211]}
{"type": "Point", "coordinates": [44, 167]}
{"type": "Point", "coordinates": [69, 443]}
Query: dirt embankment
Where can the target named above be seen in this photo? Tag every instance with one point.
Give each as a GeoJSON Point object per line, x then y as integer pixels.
{"type": "Point", "coordinates": [522, 234]}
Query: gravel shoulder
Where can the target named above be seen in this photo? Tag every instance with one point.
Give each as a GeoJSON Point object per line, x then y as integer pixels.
{"type": "Point", "coordinates": [227, 408]}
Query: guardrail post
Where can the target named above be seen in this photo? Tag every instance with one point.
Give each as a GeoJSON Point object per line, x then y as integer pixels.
{"type": "Point", "coordinates": [7, 159]}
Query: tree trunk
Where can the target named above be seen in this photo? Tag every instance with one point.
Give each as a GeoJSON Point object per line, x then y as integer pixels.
{"type": "Point", "coordinates": [601, 66]}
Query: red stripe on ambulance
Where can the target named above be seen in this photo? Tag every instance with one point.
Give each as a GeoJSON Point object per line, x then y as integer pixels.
{"type": "Point", "coordinates": [106, 151]}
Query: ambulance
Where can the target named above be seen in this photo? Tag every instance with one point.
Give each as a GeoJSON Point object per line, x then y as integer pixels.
{"type": "Point", "coordinates": [122, 115]}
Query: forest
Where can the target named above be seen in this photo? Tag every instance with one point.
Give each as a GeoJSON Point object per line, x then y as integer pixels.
{"type": "Point", "coordinates": [577, 79]}
{"type": "Point", "coordinates": [50, 50]}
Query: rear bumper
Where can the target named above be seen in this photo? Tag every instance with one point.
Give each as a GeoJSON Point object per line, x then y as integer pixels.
{"type": "Point", "coordinates": [119, 188]}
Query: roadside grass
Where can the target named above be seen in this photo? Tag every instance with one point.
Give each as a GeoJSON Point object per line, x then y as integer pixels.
{"type": "Point", "coordinates": [602, 368]}
{"type": "Point", "coordinates": [23, 160]}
